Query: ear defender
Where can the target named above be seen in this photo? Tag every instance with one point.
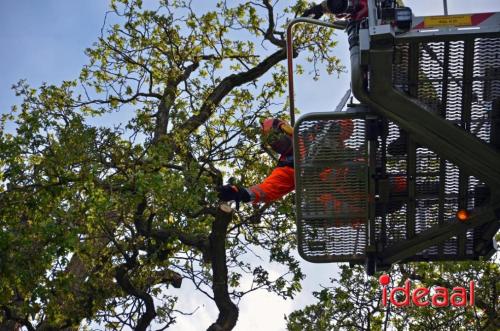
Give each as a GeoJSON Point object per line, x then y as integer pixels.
{"type": "Point", "coordinates": [286, 128]}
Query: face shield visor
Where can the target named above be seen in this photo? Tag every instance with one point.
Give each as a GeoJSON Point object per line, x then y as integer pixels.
{"type": "Point", "coordinates": [277, 134]}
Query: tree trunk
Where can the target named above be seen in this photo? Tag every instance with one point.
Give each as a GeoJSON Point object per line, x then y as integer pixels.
{"type": "Point", "coordinates": [228, 311]}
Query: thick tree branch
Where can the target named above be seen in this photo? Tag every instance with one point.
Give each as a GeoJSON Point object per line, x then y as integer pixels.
{"type": "Point", "coordinates": [168, 101]}
{"type": "Point", "coordinates": [166, 235]}
{"type": "Point", "coordinates": [228, 311]}
{"type": "Point", "coordinates": [147, 317]}
{"type": "Point", "coordinates": [166, 277]}
{"type": "Point", "coordinates": [226, 86]}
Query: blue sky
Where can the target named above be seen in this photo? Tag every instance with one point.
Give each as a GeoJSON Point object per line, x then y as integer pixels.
{"type": "Point", "coordinates": [44, 41]}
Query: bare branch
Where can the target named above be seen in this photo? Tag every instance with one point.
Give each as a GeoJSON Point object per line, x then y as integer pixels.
{"type": "Point", "coordinates": [269, 34]}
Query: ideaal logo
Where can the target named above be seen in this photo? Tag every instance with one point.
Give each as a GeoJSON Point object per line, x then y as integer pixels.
{"type": "Point", "coordinates": [422, 296]}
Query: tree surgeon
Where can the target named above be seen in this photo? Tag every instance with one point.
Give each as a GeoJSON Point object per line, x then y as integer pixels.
{"type": "Point", "coordinates": [278, 135]}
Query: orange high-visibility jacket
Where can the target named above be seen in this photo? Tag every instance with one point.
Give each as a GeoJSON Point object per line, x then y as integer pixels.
{"type": "Point", "coordinates": [280, 182]}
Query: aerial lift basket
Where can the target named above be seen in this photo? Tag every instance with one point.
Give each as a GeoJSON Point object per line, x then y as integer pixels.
{"type": "Point", "coordinates": [429, 118]}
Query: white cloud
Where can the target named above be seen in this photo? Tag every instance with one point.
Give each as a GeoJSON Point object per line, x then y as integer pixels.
{"type": "Point", "coordinates": [263, 311]}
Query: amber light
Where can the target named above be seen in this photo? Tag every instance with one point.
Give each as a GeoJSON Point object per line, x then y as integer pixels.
{"type": "Point", "coordinates": [463, 215]}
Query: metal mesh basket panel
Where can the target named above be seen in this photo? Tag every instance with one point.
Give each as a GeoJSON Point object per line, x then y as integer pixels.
{"type": "Point", "coordinates": [331, 188]}
{"type": "Point", "coordinates": [460, 81]}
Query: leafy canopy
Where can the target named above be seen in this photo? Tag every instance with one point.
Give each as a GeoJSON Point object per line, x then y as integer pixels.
{"type": "Point", "coordinates": [108, 181]}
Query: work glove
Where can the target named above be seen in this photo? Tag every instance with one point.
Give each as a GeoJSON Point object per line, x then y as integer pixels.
{"type": "Point", "coordinates": [315, 11]}
{"type": "Point", "coordinates": [233, 192]}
